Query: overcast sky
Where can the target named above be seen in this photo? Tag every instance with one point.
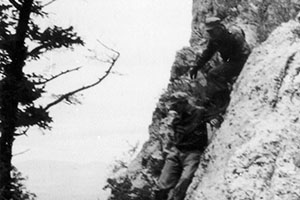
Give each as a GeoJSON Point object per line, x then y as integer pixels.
{"type": "Point", "coordinates": [147, 33]}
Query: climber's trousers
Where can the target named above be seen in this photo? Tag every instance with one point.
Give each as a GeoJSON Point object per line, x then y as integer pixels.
{"type": "Point", "coordinates": [178, 172]}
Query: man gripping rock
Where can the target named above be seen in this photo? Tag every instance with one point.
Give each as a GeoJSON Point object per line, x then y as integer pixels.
{"type": "Point", "coordinates": [234, 51]}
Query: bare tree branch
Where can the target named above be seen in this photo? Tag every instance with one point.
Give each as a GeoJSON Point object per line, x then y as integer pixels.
{"type": "Point", "coordinates": [36, 50]}
{"type": "Point", "coordinates": [50, 2]}
{"type": "Point", "coordinates": [15, 4]}
{"type": "Point", "coordinates": [109, 48]}
{"type": "Point", "coordinates": [22, 152]}
{"type": "Point", "coordinates": [95, 57]}
{"type": "Point", "coordinates": [22, 133]}
{"type": "Point", "coordinates": [69, 94]}
{"type": "Point", "coordinates": [56, 76]}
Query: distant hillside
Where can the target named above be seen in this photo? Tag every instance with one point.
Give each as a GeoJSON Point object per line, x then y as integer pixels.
{"type": "Point", "coordinates": [53, 180]}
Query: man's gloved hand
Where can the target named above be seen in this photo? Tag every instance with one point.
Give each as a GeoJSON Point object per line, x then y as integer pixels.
{"type": "Point", "coordinates": [193, 72]}
{"type": "Point", "coordinates": [215, 123]}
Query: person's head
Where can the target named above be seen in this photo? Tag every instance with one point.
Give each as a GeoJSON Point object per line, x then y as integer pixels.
{"type": "Point", "coordinates": [179, 101]}
{"type": "Point", "coordinates": [214, 27]}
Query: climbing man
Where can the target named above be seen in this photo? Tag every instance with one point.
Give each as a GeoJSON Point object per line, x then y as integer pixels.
{"type": "Point", "coordinates": [189, 141]}
{"type": "Point", "coordinates": [234, 51]}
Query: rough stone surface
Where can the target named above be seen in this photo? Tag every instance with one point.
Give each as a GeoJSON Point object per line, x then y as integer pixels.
{"type": "Point", "coordinates": [253, 155]}
{"type": "Point", "coordinates": [256, 152]}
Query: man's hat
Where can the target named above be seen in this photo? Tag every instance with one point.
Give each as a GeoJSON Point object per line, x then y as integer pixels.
{"type": "Point", "coordinates": [212, 22]}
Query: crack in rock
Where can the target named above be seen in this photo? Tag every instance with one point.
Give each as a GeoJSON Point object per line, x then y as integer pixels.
{"type": "Point", "coordinates": [280, 79]}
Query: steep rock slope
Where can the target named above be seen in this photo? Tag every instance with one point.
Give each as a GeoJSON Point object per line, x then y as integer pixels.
{"type": "Point", "coordinates": [252, 155]}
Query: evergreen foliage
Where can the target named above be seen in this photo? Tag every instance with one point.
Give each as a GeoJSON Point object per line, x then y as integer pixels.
{"type": "Point", "coordinates": [19, 189]}
{"type": "Point", "coordinates": [23, 40]}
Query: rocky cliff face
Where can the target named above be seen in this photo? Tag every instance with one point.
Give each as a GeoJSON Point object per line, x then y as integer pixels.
{"type": "Point", "coordinates": [254, 154]}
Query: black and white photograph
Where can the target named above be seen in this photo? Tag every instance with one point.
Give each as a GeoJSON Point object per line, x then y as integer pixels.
{"type": "Point", "coordinates": [149, 100]}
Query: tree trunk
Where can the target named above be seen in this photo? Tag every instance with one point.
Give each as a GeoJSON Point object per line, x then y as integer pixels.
{"type": "Point", "coordinates": [10, 100]}
{"type": "Point", "coordinates": [9, 110]}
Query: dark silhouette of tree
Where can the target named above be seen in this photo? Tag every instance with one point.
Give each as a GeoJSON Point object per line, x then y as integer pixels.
{"type": "Point", "coordinates": [23, 40]}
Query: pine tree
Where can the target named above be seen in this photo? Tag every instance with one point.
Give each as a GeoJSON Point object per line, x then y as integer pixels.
{"type": "Point", "coordinates": [18, 90]}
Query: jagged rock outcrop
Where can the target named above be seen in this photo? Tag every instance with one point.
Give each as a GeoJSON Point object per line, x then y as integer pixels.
{"type": "Point", "coordinates": [254, 153]}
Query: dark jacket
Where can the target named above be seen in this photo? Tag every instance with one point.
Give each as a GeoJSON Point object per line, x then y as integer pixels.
{"type": "Point", "coordinates": [232, 47]}
{"type": "Point", "coordinates": [190, 132]}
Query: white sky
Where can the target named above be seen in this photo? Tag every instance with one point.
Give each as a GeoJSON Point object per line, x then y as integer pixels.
{"type": "Point", "coordinates": [147, 33]}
